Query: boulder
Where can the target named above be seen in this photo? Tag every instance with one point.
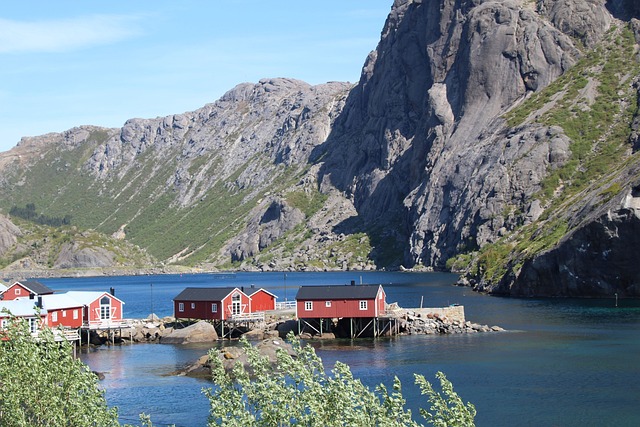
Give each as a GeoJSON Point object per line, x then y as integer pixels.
{"type": "Point", "coordinates": [199, 332]}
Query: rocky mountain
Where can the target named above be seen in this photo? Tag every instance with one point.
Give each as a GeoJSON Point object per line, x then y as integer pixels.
{"type": "Point", "coordinates": [496, 138]}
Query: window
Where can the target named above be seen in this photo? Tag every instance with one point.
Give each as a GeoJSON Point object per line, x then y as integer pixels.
{"type": "Point", "coordinates": [180, 306]}
{"type": "Point", "coordinates": [327, 303]}
{"type": "Point", "coordinates": [54, 316]}
{"type": "Point", "coordinates": [75, 314]}
{"type": "Point", "coordinates": [3, 323]}
{"type": "Point", "coordinates": [363, 305]}
{"type": "Point", "coordinates": [214, 307]}
{"type": "Point", "coordinates": [17, 291]}
{"type": "Point", "coordinates": [33, 325]}
{"type": "Point", "coordinates": [308, 305]}
{"type": "Point", "coordinates": [193, 305]}
{"type": "Point", "coordinates": [64, 313]}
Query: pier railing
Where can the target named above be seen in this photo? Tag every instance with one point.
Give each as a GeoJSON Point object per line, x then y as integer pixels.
{"type": "Point", "coordinates": [248, 317]}
{"type": "Point", "coordinates": [108, 324]}
{"type": "Point", "coordinates": [285, 305]}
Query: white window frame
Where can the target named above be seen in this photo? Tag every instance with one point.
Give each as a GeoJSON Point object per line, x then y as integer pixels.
{"type": "Point", "coordinates": [33, 325]}
{"type": "Point", "coordinates": [75, 314]}
{"type": "Point", "coordinates": [363, 305]}
{"type": "Point", "coordinates": [193, 306]}
{"type": "Point", "coordinates": [64, 313]}
{"type": "Point", "coordinates": [214, 307]}
{"type": "Point", "coordinates": [327, 304]}
{"type": "Point", "coordinates": [54, 316]}
{"type": "Point", "coordinates": [4, 323]}
{"type": "Point", "coordinates": [181, 307]}
{"type": "Point", "coordinates": [308, 306]}
{"type": "Point", "coordinates": [16, 291]}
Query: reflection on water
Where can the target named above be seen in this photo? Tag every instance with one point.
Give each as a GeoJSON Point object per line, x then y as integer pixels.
{"type": "Point", "coordinates": [137, 381]}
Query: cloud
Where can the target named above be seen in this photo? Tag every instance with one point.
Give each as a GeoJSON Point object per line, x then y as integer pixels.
{"type": "Point", "coordinates": [65, 34]}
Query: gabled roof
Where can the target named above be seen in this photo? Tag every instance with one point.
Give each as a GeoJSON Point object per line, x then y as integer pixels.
{"type": "Point", "coordinates": [87, 297]}
{"type": "Point", "coordinates": [337, 292]}
{"type": "Point", "coordinates": [35, 287]}
{"type": "Point", "coordinates": [205, 294]}
{"type": "Point", "coordinates": [19, 307]}
{"type": "Point", "coordinates": [265, 291]}
{"type": "Point", "coordinates": [59, 301]}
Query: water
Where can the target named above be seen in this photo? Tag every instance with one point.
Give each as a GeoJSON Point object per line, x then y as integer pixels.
{"type": "Point", "coordinates": [564, 362]}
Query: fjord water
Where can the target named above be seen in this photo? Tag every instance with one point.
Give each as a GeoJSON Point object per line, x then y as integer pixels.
{"type": "Point", "coordinates": [562, 362]}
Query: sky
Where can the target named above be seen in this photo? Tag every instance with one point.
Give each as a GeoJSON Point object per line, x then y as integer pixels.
{"type": "Point", "coordinates": [70, 63]}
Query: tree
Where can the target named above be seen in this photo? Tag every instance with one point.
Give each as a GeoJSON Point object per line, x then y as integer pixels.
{"type": "Point", "coordinates": [41, 384]}
{"type": "Point", "coordinates": [298, 391]}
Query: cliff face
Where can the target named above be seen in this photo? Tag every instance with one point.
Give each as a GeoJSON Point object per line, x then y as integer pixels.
{"type": "Point", "coordinates": [431, 151]}
{"type": "Point", "coordinates": [498, 137]}
{"type": "Point", "coordinates": [434, 162]}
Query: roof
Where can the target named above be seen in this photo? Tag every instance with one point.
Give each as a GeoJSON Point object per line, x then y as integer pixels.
{"type": "Point", "coordinates": [35, 287]}
{"type": "Point", "coordinates": [3, 287]}
{"type": "Point", "coordinates": [265, 291]}
{"type": "Point", "coordinates": [337, 292]}
{"type": "Point", "coordinates": [87, 297]}
{"type": "Point", "coordinates": [59, 301]}
{"type": "Point", "coordinates": [19, 307]}
{"type": "Point", "coordinates": [204, 294]}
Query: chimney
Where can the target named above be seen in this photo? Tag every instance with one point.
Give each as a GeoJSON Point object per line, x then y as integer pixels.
{"type": "Point", "coordinates": [39, 303]}
{"type": "Point", "coordinates": [112, 291]}
{"type": "Point", "coordinates": [353, 283]}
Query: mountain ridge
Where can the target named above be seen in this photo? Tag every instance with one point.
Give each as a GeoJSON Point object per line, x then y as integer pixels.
{"type": "Point", "coordinates": [451, 151]}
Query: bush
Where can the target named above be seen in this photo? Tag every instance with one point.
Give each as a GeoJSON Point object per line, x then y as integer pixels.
{"type": "Point", "coordinates": [299, 392]}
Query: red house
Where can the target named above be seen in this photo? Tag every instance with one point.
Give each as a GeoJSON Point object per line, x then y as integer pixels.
{"type": "Point", "coordinates": [211, 303]}
{"type": "Point", "coordinates": [27, 289]}
{"type": "Point", "coordinates": [350, 301]}
{"type": "Point", "coordinates": [98, 308]}
{"type": "Point", "coordinates": [262, 300]}
{"type": "Point", "coordinates": [62, 310]}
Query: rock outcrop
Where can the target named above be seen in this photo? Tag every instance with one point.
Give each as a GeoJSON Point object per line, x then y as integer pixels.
{"type": "Point", "coordinates": [201, 331]}
{"type": "Point", "coordinates": [9, 233]}
{"type": "Point", "coordinates": [73, 255]}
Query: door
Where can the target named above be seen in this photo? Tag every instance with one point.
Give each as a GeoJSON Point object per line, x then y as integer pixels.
{"type": "Point", "coordinates": [236, 305]}
{"type": "Point", "coordinates": [105, 308]}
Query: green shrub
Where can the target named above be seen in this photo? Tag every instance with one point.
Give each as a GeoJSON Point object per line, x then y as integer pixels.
{"type": "Point", "coordinates": [299, 392]}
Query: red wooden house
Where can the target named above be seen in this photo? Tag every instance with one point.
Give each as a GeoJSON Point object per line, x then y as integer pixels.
{"type": "Point", "coordinates": [27, 289]}
{"type": "Point", "coordinates": [262, 300]}
{"type": "Point", "coordinates": [62, 310]}
{"type": "Point", "coordinates": [351, 301]}
{"type": "Point", "coordinates": [347, 310]}
{"type": "Point", "coordinates": [211, 303]}
{"type": "Point", "coordinates": [99, 308]}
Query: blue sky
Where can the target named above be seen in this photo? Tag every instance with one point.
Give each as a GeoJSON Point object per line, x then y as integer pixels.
{"type": "Point", "coordinates": [70, 63]}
